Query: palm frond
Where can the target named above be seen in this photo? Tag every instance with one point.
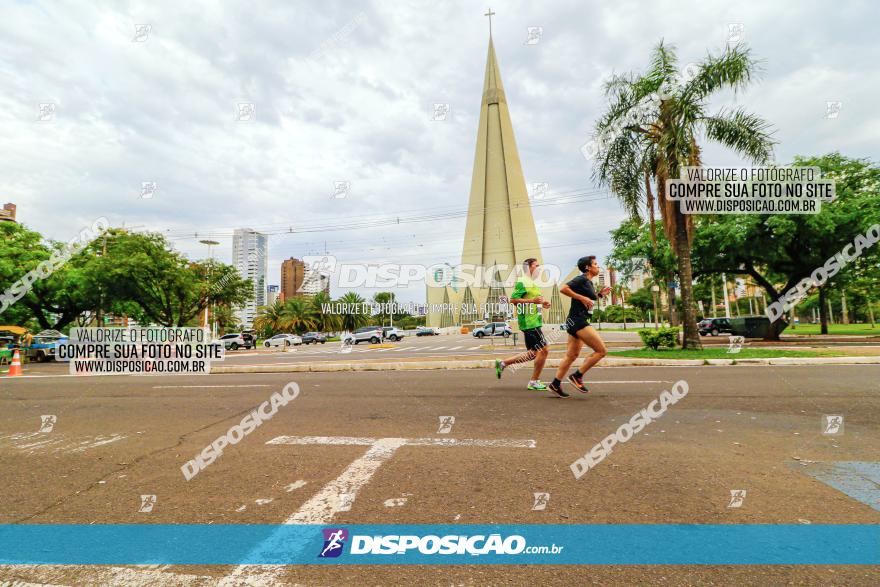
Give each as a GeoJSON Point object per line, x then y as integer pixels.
{"type": "Point", "coordinates": [745, 133]}
{"type": "Point", "coordinates": [663, 67]}
{"type": "Point", "coordinates": [733, 69]}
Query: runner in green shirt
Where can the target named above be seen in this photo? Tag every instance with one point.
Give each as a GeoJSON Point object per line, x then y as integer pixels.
{"type": "Point", "coordinates": [529, 302]}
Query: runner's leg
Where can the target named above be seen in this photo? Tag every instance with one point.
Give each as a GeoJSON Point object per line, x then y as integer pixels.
{"type": "Point", "coordinates": [591, 338]}
{"type": "Point", "coordinates": [521, 358]}
{"type": "Point", "coordinates": [540, 359]}
{"type": "Point", "coordinates": [571, 354]}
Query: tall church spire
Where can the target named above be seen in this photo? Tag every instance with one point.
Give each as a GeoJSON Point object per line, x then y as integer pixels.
{"type": "Point", "coordinates": [500, 226]}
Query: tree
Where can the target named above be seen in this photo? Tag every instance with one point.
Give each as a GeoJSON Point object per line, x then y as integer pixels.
{"type": "Point", "coordinates": [324, 321]}
{"type": "Point", "coordinates": [167, 288]}
{"type": "Point", "coordinates": [653, 124]}
{"type": "Point", "coordinates": [778, 251]}
{"type": "Point", "coordinates": [297, 316]}
{"type": "Point", "coordinates": [635, 247]}
{"type": "Point", "coordinates": [350, 318]}
{"type": "Point", "coordinates": [642, 300]}
{"type": "Point", "coordinates": [225, 319]}
{"type": "Point", "coordinates": [384, 299]}
{"type": "Point", "coordinates": [54, 300]}
{"type": "Point", "coordinates": [270, 320]}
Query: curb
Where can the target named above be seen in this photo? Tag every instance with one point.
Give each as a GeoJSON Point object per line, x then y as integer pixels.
{"type": "Point", "coordinates": [487, 363]}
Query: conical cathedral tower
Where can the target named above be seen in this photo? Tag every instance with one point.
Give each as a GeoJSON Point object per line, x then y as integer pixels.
{"type": "Point", "coordinates": [500, 230]}
{"type": "Point", "coordinates": [500, 227]}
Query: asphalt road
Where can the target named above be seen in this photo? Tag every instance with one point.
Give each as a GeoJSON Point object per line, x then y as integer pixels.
{"type": "Point", "coordinates": [460, 346]}
{"type": "Point", "coordinates": [753, 428]}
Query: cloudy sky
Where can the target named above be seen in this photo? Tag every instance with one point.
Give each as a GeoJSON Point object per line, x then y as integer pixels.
{"type": "Point", "coordinates": [345, 92]}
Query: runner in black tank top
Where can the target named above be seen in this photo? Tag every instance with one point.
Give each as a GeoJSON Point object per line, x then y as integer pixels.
{"type": "Point", "coordinates": [583, 296]}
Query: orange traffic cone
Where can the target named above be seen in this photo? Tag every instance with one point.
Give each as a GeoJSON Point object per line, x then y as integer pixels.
{"type": "Point", "coordinates": [15, 367]}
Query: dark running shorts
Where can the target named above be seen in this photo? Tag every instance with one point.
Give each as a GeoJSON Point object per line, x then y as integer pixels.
{"type": "Point", "coordinates": [577, 325]}
{"type": "Point", "coordinates": [534, 339]}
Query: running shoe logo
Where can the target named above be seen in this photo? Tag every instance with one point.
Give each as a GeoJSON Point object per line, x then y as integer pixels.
{"type": "Point", "coordinates": [334, 541]}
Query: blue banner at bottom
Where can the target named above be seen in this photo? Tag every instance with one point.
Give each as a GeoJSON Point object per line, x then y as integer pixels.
{"type": "Point", "coordinates": [512, 544]}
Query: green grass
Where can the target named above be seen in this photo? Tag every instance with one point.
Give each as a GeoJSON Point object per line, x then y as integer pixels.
{"type": "Point", "coordinates": [856, 329]}
{"type": "Point", "coordinates": [721, 353]}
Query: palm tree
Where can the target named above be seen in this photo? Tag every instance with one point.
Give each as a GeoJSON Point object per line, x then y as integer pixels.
{"type": "Point", "coordinates": [270, 319]}
{"type": "Point", "coordinates": [225, 318]}
{"type": "Point", "coordinates": [385, 298]}
{"type": "Point", "coordinates": [297, 316]}
{"type": "Point", "coordinates": [324, 321]}
{"type": "Point", "coordinates": [350, 319]}
{"type": "Point", "coordinates": [654, 123]}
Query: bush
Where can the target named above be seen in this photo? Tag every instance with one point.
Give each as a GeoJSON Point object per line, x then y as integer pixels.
{"type": "Point", "coordinates": [654, 339]}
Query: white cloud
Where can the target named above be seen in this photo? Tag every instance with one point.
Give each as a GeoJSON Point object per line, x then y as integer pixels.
{"type": "Point", "coordinates": [359, 110]}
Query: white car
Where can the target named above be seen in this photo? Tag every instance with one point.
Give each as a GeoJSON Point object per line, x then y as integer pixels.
{"type": "Point", "coordinates": [372, 334]}
{"type": "Point", "coordinates": [283, 340]}
{"type": "Point", "coordinates": [392, 333]}
{"type": "Point", "coordinates": [234, 341]}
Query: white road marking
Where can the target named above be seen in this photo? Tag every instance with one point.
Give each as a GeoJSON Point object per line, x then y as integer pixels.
{"type": "Point", "coordinates": [295, 485]}
{"type": "Point", "coordinates": [339, 494]}
{"type": "Point", "coordinates": [321, 508]}
{"type": "Point", "coordinates": [56, 442]}
{"type": "Point", "coordinates": [395, 502]}
{"type": "Point", "coordinates": [455, 348]}
{"type": "Point", "coordinates": [263, 501]}
{"type": "Point", "coordinates": [130, 577]}
{"type": "Point", "coordinates": [100, 441]}
{"type": "Point", "coordinates": [365, 441]}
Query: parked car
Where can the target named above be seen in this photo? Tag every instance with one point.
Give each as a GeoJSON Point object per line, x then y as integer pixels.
{"type": "Point", "coordinates": [714, 326]}
{"type": "Point", "coordinates": [314, 337]}
{"type": "Point", "coordinates": [283, 340]}
{"type": "Point", "coordinates": [236, 340]}
{"type": "Point", "coordinates": [425, 331]}
{"type": "Point", "coordinates": [371, 334]}
{"type": "Point", "coordinates": [391, 333]}
{"type": "Point", "coordinates": [493, 329]}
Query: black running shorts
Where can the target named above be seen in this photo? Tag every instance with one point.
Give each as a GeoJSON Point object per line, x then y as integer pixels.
{"type": "Point", "coordinates": [575, 325]}
{"type": "Point", "coordinates": [534, 339]}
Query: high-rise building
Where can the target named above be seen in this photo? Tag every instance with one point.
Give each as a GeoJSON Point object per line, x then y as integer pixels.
{"type": "Point", "coordinates": [250, 257]}
{"type": "Point", "coordinates": [293, 271]}
{"type": "Point", "coordinates": [7, 214]}
{"type": "Point", "coordinates": [298, 279]}
{"type": "Point", "coordinates": [314, 280]}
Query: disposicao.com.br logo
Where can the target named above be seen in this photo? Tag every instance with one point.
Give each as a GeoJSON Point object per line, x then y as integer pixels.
{"type": "Point", "coordinates": [452, 544]}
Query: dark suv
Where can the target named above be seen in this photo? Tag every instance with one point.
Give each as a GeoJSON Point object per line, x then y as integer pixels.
{"type": "Point", "coordinates": [714, 326]}
{"type": "Point", "coordinates": [314, 337]}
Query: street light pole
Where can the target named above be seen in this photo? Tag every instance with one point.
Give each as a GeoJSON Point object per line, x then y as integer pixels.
{"type": "Point", "coordinates": [210, 244]}
{"type": "Point", "coordinates": [654, 289]}
{"type": "Point", "coordinates": [726, 297]}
